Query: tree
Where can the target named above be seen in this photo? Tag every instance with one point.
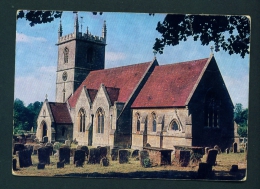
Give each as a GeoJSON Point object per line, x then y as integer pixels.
{"type": "Point", "coordinates": [241, 116]}
{"type": "Point", "coordinates": [231, 33]}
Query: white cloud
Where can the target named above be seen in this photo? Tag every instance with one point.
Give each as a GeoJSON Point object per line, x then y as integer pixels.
{"type": "Point", "coordinates": [114, 56]}
{"type": "Point", "coordinates": [28, 39]}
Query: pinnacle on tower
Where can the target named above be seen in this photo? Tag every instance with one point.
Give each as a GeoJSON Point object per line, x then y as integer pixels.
{"type": "Point", "coordinates": [60, 30]}
{"type": "Point", "coordinates": [104, 30]}
{"type": "Point", "coordinates": [76, 23]}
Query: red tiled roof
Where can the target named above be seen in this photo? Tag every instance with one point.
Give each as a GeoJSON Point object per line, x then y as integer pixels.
{"type": "Point", "coordinates": [124, 78]}
{"type": "Point", "coordinates": [170, 85]}
{"type": "Point", "coordinates": [92, 94]}
{"type": "Point", "coordinates": [60, 112]}
{"type": "Point", "coordinates": [113, 93]}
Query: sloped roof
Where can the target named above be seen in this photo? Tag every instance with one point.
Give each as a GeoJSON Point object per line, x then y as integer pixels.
{"type": "Point", "coordinates": [92, 94]}
{"type": "Point", "coordinates": [113, 93]}
{"type": "Point", "coordinates": [60, 113]}
{"type": "Point", "coordinates": [170, 85]}
{"type": "Point", "coordinates": [124, 78]}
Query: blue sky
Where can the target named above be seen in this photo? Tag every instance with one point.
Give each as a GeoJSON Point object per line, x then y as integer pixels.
{"type": "Point", "coordinates": [130, 38]}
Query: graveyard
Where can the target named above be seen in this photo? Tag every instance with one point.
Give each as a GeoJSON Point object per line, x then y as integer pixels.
{"type": "Point", "coordinates": [72, 160]}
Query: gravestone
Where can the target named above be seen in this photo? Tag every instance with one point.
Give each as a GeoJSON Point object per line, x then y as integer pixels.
{"type": "Point", "coordinates": [29, 147]}
{"type": "Point", "coordinates": [207, 150]}
{"type": "Point", "coordinates": [123, 156]}
{"type": "Point", "coordinates": [234, 168]}
{"type": "Point", "coordinates": [44, 155]}
{"type": "Point", "coordinates": [50, 149]}
{"type": "Point", "coordinates": [235, 147]}
{"type": "Point", "coordinates": [25, 159]}
{"type": "Point", "coordinates": [79, 163]}
{"type": "Point", "coordinates": [85, 148]}
{"type": "Point", "coordinates": [103, 152]}
{"type": "Point", "coordinates": [60, 164]}
{"type": "Point", "coordinates": [216, 147]}
{"type": "Point", "coordinates": [143, 156]}
{"type": "Point", "coordinates": [211, 157]}
{"type": "Point", "coordinates": [14, 164]}
{"type": "Point", "coordinates": [45, 139]}
{"type": "Point", "coordinates": [68, 143]}
{"type": "Point", "coordinates": [40, 166]}
{"type": "Point", "coordinates": [18, 147]}
{"type": "Point", "coordinates": [227, 150]}
{"type": "Point", "coordinates": [94, 156]}
{"type": "Point", "coordinates": [135, 153]}
{"type": "Point", "coordinates": [204, 170]}
{"type": "Point", "coordinates": [79, 156]}
{"type": "Point", "coordinates": [64, 155]}
{"type": "Point", "coordinates": [104, 162]}
{"type": "Point", "coordinates": [114, 154]}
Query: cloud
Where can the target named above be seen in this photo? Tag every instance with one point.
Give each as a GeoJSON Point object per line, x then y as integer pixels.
{"type": "Point", "coordinates": [114, 56]}
{"type": "Point", "coordinates": [28, 39]}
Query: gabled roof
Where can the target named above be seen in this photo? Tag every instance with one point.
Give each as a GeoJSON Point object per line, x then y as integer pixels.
{"type": "Point", "coordinates": [123, 79]}
{"type": "Point", "coordinates": [92, 94]}
{"type": "Point", "coordinates": [170, 85]}
{"type": "Point", "coordinates": [60, 113]}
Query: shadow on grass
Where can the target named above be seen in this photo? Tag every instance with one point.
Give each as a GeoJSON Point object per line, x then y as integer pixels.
{"type": "Point", "coordinates": [215, 175]}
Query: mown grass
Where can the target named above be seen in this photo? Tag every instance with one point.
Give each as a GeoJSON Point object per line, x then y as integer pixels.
{"type": "Point", "coordinates": [132, 169]}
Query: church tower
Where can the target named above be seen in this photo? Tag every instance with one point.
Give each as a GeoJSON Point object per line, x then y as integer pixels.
{"type": "Point", "coordinates": [78, 54]}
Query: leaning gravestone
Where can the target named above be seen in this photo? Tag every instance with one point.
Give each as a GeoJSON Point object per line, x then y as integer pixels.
{"type": "Point", "coordinates": [143, 156]}
{"type": "Point", "coordinates": [44, 155]}
{"type": "Point", "coordinates": [79, 156]}
{"type": "Point", "coordinates": [18, 147]}
{"type": "Point", "coordinates": [103, 152]}
{"type": "Point", "coordinates": [94, 156]}
{"type": "Point", "coordinates": [64, 155]}
{"type": "Point", "coordinates": [123, 156]}
{"type": "Point", "coordinates": [235, 147]}
{"type": "Point", "coordinates": [212, 156]}
{"type": "Point", "coordinates": [25, 159]}
{"type": "Point", "coordinates": [114, 154]}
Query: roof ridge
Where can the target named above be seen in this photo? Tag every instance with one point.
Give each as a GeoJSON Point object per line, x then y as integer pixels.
{"type": "Point", "coordinates": [182, 62]}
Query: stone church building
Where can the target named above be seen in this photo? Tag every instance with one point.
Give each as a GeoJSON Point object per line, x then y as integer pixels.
{"type": "Point", "coordinates": [164, 105]}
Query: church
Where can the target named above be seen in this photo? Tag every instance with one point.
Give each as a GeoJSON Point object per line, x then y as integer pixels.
{"type": "Point", "coordinates": [179, 104]}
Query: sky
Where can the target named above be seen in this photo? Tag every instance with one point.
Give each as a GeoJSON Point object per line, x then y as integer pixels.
{"type": "Point", "coordinates": [130, 40]}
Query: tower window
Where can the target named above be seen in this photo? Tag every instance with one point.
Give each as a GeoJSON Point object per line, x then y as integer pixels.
{"type": "Point", "coordinates": [66, 55]}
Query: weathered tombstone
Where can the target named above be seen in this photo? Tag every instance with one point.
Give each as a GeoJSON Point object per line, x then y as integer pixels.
{"type": "Point", "coordinates": [14, 164]}
{"type": "Point", "coordinates": [123, 156]}
{"type": "Point", "coordinates": [60, 164]}
{"type": "Point", "coordinates": [227, 150]}
{"type": "Point", "coordinates": [85, 148]}
{"type": "Point", "coordinates": [64, 155]}
{"type": "Point", "coordinates": [18, 147]}
{"type": "Point", "coordinates": [50, 149]}
{"type": "Point", "coordinates": [135, 153]}
{"type": "Point", "coordinates": [143, 156]}
{"type": "Point", "coordinates": [207, 150]}
{"type": "Point", "coordinates": [40, 166]}
{"type": "Point", "coordinates": [68, 143]}
{"type": "Point", "coordinates": [235, 147]}
{"type": "Point", "coordinates": [114, 154]}
{"type": "Point", "coordinates": [25, 159]}
{"type": "Point", "coordinates": [94, 156]}
{"type": "Point", "coordinates": [79, 156]}
{"type": "Point", "coordinates": [103, 152]}
{"type": "Point", "coordinates": [216, 147]}
{"type": "Point", "coordinates": [212, 156]}
{"type": "Point", "coordinates": [45, 139]}
{"type": "Point", "coordinates": [104, 162]}
{"type": "Point", "coordinates": [234, 168]}
{"type": "Point", "coordinates": [204, 170]}
{"type": "Point", "coordinates": [183, 157]}
{"type": "Point", "coordinates": [44, 155]}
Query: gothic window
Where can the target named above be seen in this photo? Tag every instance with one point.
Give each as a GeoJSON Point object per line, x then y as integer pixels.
{"type": "Point", "coordinates": [138, 122]}
{"type": "Point", "coordinates": [211, 110]}
{"type": "Point", "coordinates": [174, 126]}
{"type": "Point", "coordinates": [100, 121]}
{"type": "Point", "coordinates": [66, 55]}
{"type": "Point", "coordinates": [90, 55]}
{"type": "Point", "coordinates": [81, 123]}
{"type": "Point", "coordinates": [154, 122]}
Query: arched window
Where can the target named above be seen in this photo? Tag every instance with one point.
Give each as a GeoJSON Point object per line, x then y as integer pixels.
{"type": "Point", "coordinates": [81, 116]}
{"type": "Point", "coordinates": [138, 122]}
{"type": "Point", "coordinates": [66, 55]}
{"type": "Point", "coordinates": [211, 110]}
{"type": "Point", "coordinates": [100, 120]}
{"type": "Point", "coordinates": [154, 122]}
{"type": "Point", "coordinates": [174, 126]}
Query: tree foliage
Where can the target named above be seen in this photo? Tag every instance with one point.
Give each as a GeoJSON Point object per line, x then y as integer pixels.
{"type": "Point", "coordinates": [231, 33]}
{"type": "Point", "coordinates": [241, 117]}
{"type": "Point", "coordinates": [25, 117]}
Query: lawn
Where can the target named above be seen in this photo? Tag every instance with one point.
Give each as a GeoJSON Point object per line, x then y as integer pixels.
{"type": "Point", "coordinates": [132, 169]}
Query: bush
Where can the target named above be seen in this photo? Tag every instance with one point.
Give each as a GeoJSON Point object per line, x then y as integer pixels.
{"type": "Point", "coordinates": [147, 162]}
